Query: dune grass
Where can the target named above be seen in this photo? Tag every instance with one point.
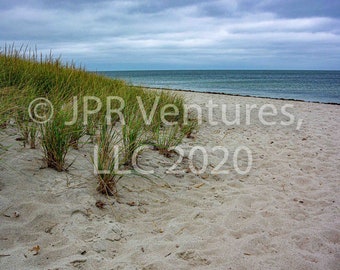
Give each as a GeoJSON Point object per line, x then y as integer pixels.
{"type": "Point", "coordinates": [166, 138]}
{"type": "Point", "coordinates": [25, 75]}
{"type": "Point", "coordinates": [107, 160]}
{"type": "Point", "coordinates": [133, 133]}
{"type": "Point", "coordinates": [56, 140]}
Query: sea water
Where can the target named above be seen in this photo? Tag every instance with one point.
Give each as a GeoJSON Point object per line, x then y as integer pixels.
{"type": "Point", "coordinates": [316, 86]}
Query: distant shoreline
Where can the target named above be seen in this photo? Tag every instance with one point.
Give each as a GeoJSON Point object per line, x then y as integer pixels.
{"type": "Point", "coordinates": [236, 95]}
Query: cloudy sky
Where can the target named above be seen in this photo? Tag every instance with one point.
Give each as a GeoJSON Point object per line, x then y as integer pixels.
{"type": "Point", "coordinates": [179, 34]}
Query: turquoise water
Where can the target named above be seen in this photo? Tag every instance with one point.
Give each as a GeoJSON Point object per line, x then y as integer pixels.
{"type": "Point", "coordinates": [317, 86]}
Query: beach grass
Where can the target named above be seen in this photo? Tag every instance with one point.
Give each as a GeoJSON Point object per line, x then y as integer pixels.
{"type": "Point", "coordinates": [26, 75]}
{"type": "Point", "coordinates": [106, 160]}
{"type": "Point", "coordinates": [55, 140]}
{"type": "Point", "coordinates": [133, 133]}
{"type": "Point", "coordinates": [166, 138]}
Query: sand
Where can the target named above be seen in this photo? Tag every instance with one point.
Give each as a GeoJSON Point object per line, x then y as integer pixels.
{"type": "Point", "coordinates": [282, 214]}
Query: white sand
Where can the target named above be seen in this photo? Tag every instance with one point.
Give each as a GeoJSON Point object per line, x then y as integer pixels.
{"type": "Point", "coordinates": [283, 214]}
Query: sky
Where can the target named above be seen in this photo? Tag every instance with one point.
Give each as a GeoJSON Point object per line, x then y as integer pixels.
{"type": "Point", "coordinates": [178, 34]}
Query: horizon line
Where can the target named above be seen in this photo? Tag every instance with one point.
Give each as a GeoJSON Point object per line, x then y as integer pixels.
{"type": "Point", "coordinates": [127, 70]}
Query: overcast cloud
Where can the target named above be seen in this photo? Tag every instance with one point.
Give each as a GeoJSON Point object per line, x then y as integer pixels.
{"type": "Point", "coordinates": [179, 34]}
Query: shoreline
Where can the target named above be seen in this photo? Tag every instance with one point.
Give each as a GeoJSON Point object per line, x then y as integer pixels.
{"type": "Point", "coordinates": [236, 95]}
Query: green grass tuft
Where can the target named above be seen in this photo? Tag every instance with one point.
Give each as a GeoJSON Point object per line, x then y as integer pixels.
{"type": "Point", "coordinates": [166, 138]}
{"type": "Point", "coordinates": [55, 140]}
{"type": "Point", "coordinates": [107, 161]}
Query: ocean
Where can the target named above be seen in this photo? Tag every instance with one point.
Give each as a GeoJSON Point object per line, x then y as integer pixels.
{"type": "Point", "coordinates": [315, 86]}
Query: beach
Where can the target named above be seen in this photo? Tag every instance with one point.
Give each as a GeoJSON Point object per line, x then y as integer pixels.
{"type": "Point", "coordinates": [265, 197]}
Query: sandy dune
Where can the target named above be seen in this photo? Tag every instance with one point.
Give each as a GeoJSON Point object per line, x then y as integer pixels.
{"type": "Point", "coordinates": [282, 214]}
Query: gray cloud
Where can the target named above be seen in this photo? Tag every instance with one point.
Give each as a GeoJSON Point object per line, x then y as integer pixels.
{"type": "Point", "coordinates": [168, 34]}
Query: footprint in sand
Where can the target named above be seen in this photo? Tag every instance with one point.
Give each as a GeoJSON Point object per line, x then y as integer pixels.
{"type": "Point", "coordinates": [193, 258]}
